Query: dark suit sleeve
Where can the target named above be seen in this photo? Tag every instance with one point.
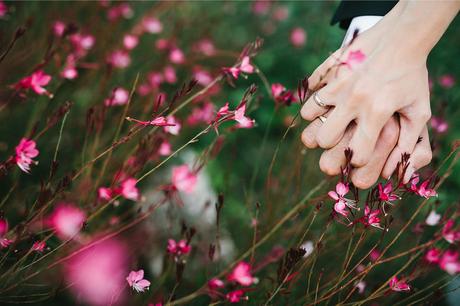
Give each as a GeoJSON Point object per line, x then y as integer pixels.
{"type": "Point", "coordinates": [349, 9]}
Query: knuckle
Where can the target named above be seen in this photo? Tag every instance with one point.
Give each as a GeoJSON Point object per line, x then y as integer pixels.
{"type": "Point", "coordinates": [306, 113]}
{"type": "Point", "coordinates": [362, 182]}
{"type": "Point", "coordinates": [308, 139]}
{"type": "Point", "coordinates": [424, 115]}
{"type": "Point", "coordinates": [425, 158]}
{"type": "Point", "coordinates": [328, 167]}
{"type": "Point", "coordinates": [389, 135]}
{"type": "Point", "coordinates": [359, 160]}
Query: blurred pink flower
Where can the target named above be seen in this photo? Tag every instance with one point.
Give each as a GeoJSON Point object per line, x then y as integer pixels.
{"type": "Point", "coordinates": [169, 74]}
{"type": "Point", "coordinates": [152, 25]}
{"type": "Point", "coordinates": [97, 273]}
{"type": "Point", "coordinates": [178, 248]}
{"type": "Point", "coordinates": [38, 246]}
{"type": "Point", "coordinates": [122, 10]}
{"type": "Point", "coordinates": [136, 281]}
{"type": "Point", "coordinates": [35, 81]}
{"type": "Point", "coordinates": [119, 59]}
{"type": "Point", "coordinates": [361, 285]}
{"type": "Point", "coordinates": [5, 242]}
{"type": "Point", "coordinates": [70, 71]}
{"type": "Point", "coordinates": [261, 7]}
{"type": "Point", "coordinates": [119, 96]}
{"type": "Point", "coordinates": [162, 44]}
{"type": "Point", "coordinates": [398, 285]}
{"type": "Point", "coordinates": [173, 126]}
{"type": "Point", "coordinates": [298, 37]}
{"type": "Point", "coordinates": [82, 43]}
{"type": "Point", "coordinates": [3, 226]}
{"type": "Point", "coordinates": [433, 255]}
{"type": "Point", "coordinates": [59, 28]}
{"type": "Point", "coordinates": [374, 255]}
{"type": "Point", "coordinates": [3, 9]}
{"type": "Point", "coordinates": [433, 218]}
{"type": "Point", "coordinates": [215, 283]}
{"type": "Point", "coordinates": [158, 121]}
{"type": "Point", "coordinates": [241, 274]}
{"type": "Point", "coordinates": [281, 94]}
{"type": "Point", "coordinates": [176, 56]}
{"type": "Point", "coordinates": [203, 77]}
{"type": "Point", "coordinates": [450, 235]}
{"type": "Point", "coordinates": [281, 13]}
{"type": "Point", "coordinates": [130, 41]}
{"type": "Point", "coordinates": [25, 151]}
{"type": "Point", "coordinates": [341, 208]}
{"type": "Point", "coordinates": [354, 57]}
{"type": "Point", "coordinates": [183, 179]}
{"type": "Point", "coordinates": [439, 125]}
{"type": "Point", "coordinates": [165, 148]}
{"type": "Point", "coordinates": [104, 193]}
{"type": "Point", "coordinates": [129, 190]}
{"type": "Point", "coordinates": [236, 296]}
{"type": "Point", "coordinates": [245, 66]}
{"type": "Point", "coordinates": [449, 262]}
{"type": "Point", "coordinates": [204, 114]}
{"type": "Point", "coordinates": [67, 220]}
{"type": "Point", "coordinates": [447, 81]}
{"type": "Point", "coordinates": [243, 121]}
{"type": "Point", "coordinates": [205, 46]}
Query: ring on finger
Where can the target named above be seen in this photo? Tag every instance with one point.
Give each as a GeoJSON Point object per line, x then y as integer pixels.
{"type": "Point", "coordinates": [322, 118]}
{"type": "Point", "coordinates": [318, 100]}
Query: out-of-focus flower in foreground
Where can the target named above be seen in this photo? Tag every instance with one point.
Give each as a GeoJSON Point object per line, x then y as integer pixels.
{"type": "Point", "coordinates": [119, 96]}
{"type": "Point", "coordinates": [183, 179]}
{"type": "Point", "coordinates": [36, 81]}
{"type": "Point", "coordinates": [241, 274]}
{"type": "Point", "coordinates": [449, 262]}
{"type": "Point", "coordinates": [25, 151]}
{"type": "Point", "coordinates": [136, 281]}
{"type": "Point", "coordinates": [447, 81]}
{"type": "Point", "coordinates": [298, 37]}
{"type": "Point", "coordinates": [439, 125]}
{"type": "Point", "coordinates": [433, 218]}
{"type": "Point", "coordinates": [67, 220]}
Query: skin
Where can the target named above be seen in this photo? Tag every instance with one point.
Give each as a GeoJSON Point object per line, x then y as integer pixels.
{"type": "Point", "coordinates": [363, 99]}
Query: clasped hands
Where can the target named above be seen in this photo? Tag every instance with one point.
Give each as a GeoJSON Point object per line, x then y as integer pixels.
{"type": "Point", "coordinates": [373, 98]}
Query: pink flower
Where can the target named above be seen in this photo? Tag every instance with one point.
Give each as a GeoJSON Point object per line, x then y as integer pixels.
{"type": "Point", "coordinates": [298, 37]}
{"type": "Point", "coordinates": [165, 148]}
{"type": "Point", "coordinates": [35, 81]}
{"type": "Point", "coordinates": [155, 79]}
{"type": "Point", "coordinates": [215, 283]}
{"type": "Point", "coordinates": [122, 10]}
{"type": "Point", "coordinates": [119, 59]}
{"type": "Point", "coordinates": [3, 9]}
{"type": "Point", "coordinates": [341, 190]}
{"type": "Point", "coordinates": [5, 242]}
{"type": "Point", "coordinates": [178, 248]}
{"type": "Point", "coordinates": [158, 121]}
{"type": "Point", "coordinates": [25, 151]}
{"type": "Point", "coordinates": [241, 274]}
{"type": "Point", "coordinates": [152, 25]}
{"type": "Point", "coordinates": [173, 126]}
{"type": "Point", "coordinates": [235, 296]}
{"type": "Point", "coordinates": [426, 192]}
{"type": "Point", "coordinates": [280, 13]}
{"type": "Point", "coordinates": [203, 77]}
{"type": "Point", "coordinates": [136, 281]}
{"type": "Point", "coordinates": [439, 125]}
{"type": "Point", "coordinates": [169, 74]}
{"type": "Point", "coordinates": [245, 66]}
{"type": "Point", "coordinates": [176, 56]}
{"type": "Point", "coordinates": [447, 81]}
{"type": "Point", "coordinates": [96, 275]}
{"type": "Point", "coordinates": [341, 208]}
{"type": "Point", "coordinates": [205, 46]}
{"type": "Point", "coordinates": [38, 246]}
{"type": "Point", "coordinates": [433, 255]}
{"type": "Point", "coordinates": [361, 285]}
{"type": "Point", "coordinates": [354, 58]}
{"type": "Point", "coordinates": [82, 43]}
{"type": "Point", "coordinates": [243, 121]}
{"type": "Point", "coordinates": [3, 227]}
{"type": "Point", "coordinates": [183, 179]}
{"type": "Point", "coordinates": [281, 94]}
{"type": "Point", "coordinates": [67, 220]}
{"type": "Point", "coordinates": [70, 71]}
{"type": "Point", "coordinates": [449, 262]}
{"type": "Point", "coordinates": [119, 96]}
{"type": "Point", "coordinates": [386, 193]}
{"type": "Point", "coordinates": [398, 285]}
{"type": "Point", "coordinates": [130, 41]}
{"type": "Point", "coordinates": [104, 193]}
{"type": "Point", "coordinates": [433, 218]}
{"type": "Point", "coordinates": [59, 28]}
{"type": "Point", "coordinates": [261, 7]}
{"type": "Point", "coordinates": [203, 114]}
{"type": "Point", "coordinates": [129, 190]}
{"type": "Point", "coordinates": [223, 111]}
{"type": "Point", "coordinates": [449, 234]}
{"type": "Point", "coordinates": [371, 217]}
{"type": "Point", "coordinates": [374, 255]}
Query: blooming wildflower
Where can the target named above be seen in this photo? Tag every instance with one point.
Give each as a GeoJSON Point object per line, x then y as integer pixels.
{"type": "Point", "coordinates": [438, 124]}
{"type": "Point", "coordinates": [386, 193]}
{"type": "Point", "coordinates": [298, 37]}
{"type": "Point", "coordinates": [173, 126]}
{"type": "Point", "coordinates": [162, 44]}
{"type": "Point", "coordinates": [261, 7]}
{"type": "Point", "coordinates": [183, 179]}
{"type": "Point", "coordinates": [341, 202]}
{"type": "Point", "coordinates": [245, 67]}
{"type": "Point", "coordinates": [136, 281]}
{"type": "Point", "coordinates": [447, 81]}
{"type": "Point", "coordinates": [309, 247]}
{"type": "Point", "coordinates": [25, 151]}
{"type": "Point", "coordinates": [449, 262]}
{"type": "Point", "coordinates": [374, 255]}
{"type": "Point", "coordinates": [178, 248]}
{"type": "Point", "coordinates": [205, 46]}
{"type": "Point", "coordinates": [425, 192]}
{"type": "Point", "coordinates": [130, 41]}
{"type": "Point", "coordinates": [361, 285]}
{"type": "Point", "coordinates": [433, 218]}
{"type": "Point", "coordinates": [282, 95]}
{"type": "Point", "coordinates": [371, 217]}
{"type": "Point", "coordinates": [104, 193]}
{"type": "Point", "coordinates": [354, 57]}
{"type": "Point", "coordinates": [203, 77]}
{"type": "Point", "coordinates": [3, 227]}
{"type": "Point", "coordinates": [59, 28]}
{"type": "Point", "coordinates": [169, 74]}
{"type": "Point", "coordinates": [215, 283]}
{"type": "Point", "coordinates": [176, 56]}
{"type": "Point", "coordinates": [243, 121]}
{"type": "Point", "coordinates": [119, 96]}
{"type": "Point", "coordinates": [398, 285]}
{"type": "Point", "coordinates": [165, 148]}
{"type": "Point", "coordinates": [449, 234]}
{"type": "Point", "coordinates": [82, 43]}
{"type": "Point", "coordinates": [433, 255]}
{"type": "Point", "coordinates": [38, 246]}
{"type": "Point", "coordinates": [241, 274]}
{"type": "Point", "coordinates": [67, 220]}
{"type": "Point", "coordinates": [119, 59]}
{"type": "Point", "coordinates": [5, 242]}
{"type": "Point", "coordinates": [202, 114]}
{"type": "Point", "coordinates": [35, 81]}
{"type": "Point", "coordinates": [236, 296]}
{"type": "Point", "coordinates": [129, 190]}
{"type": "Point", "coordinates": [70, 71]}
{"type": "Point", "coordinates": [122, 10]}
{"type": "Point", "coordinates": [152, 25]}
{"type": "Point", "coordinates": [158, 121]}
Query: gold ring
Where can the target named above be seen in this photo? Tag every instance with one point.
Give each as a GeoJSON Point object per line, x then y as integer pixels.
{"type": "Point", "coordinates": [322, 118]}
{"type": "Point", "coordinates": [318, 100]}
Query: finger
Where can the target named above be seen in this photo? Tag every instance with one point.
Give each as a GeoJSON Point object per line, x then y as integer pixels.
{"type": "Point", "coordinates": [421, 156]}
{"type": "Point", "coordinates": [333, 160]}
{"type": "Point", "coordinates": [368, 130]}
{"type": "Point", "coordinates": [311, 110]}
{"type": "Point", "coordinates": [367, 175]}
{"type": "Point", "coordinates": [411, 129]}
{"type": "Point", "coordinates": [323, 72]}
{"type": "Point", "coordinates": [308, 136]}
{"type": "Point", "coordinates": [333, 129]}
